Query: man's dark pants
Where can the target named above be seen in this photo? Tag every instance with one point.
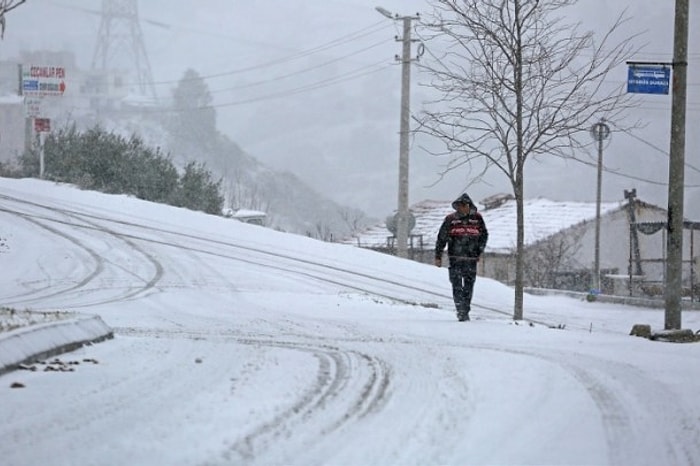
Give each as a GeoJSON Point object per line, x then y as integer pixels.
{"type": "Point", "coordinates": [462, 277]}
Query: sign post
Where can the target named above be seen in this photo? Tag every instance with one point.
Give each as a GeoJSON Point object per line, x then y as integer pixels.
{"type": "Point", "coordinates": [41, 127]}
{"type": "Point", "coordinates": [37, 83]}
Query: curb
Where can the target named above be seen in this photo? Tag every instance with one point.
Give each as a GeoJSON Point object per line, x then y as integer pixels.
{"type": "Point", "coordinates": [612, 299]}
{"type": "Point", "coordinates": [27, 344]}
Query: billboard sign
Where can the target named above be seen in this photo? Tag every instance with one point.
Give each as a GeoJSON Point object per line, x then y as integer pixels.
{"type": "Point", "coordinates": [40, 81]}
{"type": "Point", "coordinates": [648, 79]}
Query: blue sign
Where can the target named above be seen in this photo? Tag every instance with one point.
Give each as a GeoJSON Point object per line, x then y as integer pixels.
{"type": "Point", "coordinates": [30, 85]}
{"type": "Point", "coordinates": [644, 79]}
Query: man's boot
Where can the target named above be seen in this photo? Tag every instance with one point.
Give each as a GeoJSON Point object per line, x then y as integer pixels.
{"type": "Point", "coordinates": [462, 314]}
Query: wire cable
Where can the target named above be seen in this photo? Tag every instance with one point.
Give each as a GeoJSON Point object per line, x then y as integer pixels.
{"type": "Point", "coordinates": [647, 143]}
{"type": "Point", "coordinates": [355, 74]}
{"type": "Point", "coordinates": [364, 32]}
{"type": "Point", "coordinates": [296, 73]}
{"type": "Point", "coordinates": [312, 87]}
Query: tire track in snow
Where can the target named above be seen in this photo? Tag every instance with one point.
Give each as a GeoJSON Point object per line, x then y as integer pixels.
{"type": "Point", "coordinates": [321, 269]}
{"type": "Point", "coordinates": [622, 393]}
{"type": "Point", "coordinates": [605, 381]}
{"type": "Point", "coordinates": [145, 284]}
{"type": "Point", "coordinates": [349, 386]}
{"type": "Point", "coordinates": [49, 290]}
{"type": "Point", "coordinates": [304, 267]}
{"type": "Point", "coordinates": [338, 372]}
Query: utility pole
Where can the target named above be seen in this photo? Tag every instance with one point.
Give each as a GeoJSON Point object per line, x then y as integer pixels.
{"type": "Point", "coordinates": [403, 215]}
{"type": "Point", "coordinates": [676, 174]}
{"type": "Point", "coordinates": [600, 132]}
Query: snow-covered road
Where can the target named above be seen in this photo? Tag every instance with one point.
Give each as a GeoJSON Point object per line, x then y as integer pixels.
{"type": "Point", "coordinates": [235, 344]}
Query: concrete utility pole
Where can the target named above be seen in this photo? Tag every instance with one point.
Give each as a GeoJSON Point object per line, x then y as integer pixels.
{"type": "Point", "coordinates": [402, 218]}
{"type": "Point", "coordinates": [676, 174]}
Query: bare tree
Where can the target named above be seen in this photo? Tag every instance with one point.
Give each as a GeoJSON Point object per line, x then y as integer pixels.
{"type": "Point", "coordinates": [355, 220]}
{"type": "Point", "coordinates": [242, 193]}
{"type": "Point", "coordinates": [323, 232]}
{"type": "Point", "coordinates": [6, 6]}
{"type": "Point", "coordinates": [549, 257]}
{"type": "Point", "coordinates": [515, 82]}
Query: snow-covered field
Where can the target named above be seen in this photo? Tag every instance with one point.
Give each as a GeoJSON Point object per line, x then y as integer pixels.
{"type": "Point", "coordinates": [235, 344]}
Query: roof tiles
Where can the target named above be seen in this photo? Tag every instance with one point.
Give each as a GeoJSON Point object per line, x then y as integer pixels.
{"type": "Point", "coordinates": [543, 218]}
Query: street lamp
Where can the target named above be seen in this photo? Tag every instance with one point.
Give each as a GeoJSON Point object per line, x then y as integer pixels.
{"type": "Point", "coordinates": [600, 132]}
{"type": "Point", "coordinates": [402, 217]}
{"type": "Point", "coordinates": [384, 12]}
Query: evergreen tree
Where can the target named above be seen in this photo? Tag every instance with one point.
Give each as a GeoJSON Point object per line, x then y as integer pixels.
{"type": "Point", "coordinates": [198, 191]}
{"type": "Point", "coordinates": [194, 120]}
{"type": "Point", "coordinates": [110, 163]}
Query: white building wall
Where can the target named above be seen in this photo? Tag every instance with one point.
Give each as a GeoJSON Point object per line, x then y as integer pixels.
{"type": "Point", "coordinates": [614, 246]}
{"type": "Point", "coordinates": [12, 129]}
{"type": "Point", "coordinates": [615, 240]}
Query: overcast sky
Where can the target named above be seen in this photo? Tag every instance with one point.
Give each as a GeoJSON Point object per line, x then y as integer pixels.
{"type": "Point", "coordinates": [312, 87]}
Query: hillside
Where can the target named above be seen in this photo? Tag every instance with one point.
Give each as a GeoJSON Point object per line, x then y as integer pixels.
{"type": "Point", "coordinates": [290, 204]}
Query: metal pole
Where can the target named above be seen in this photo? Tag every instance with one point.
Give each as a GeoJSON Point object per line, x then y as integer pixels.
{"type": "Point", "coordinates": [596, 262]}
{"type": "Point", "coordinates": [20, 90]}
{"type": "Point", "coordinates": [600, 132]}
{"type": "Point", "coordinates": [676, 174]}
{"type": "Point", "coordinates": [403, 217]}
{"type": "Point", "coordinates": [41, 154]}
{"type": "Point", "coordinates": [692, 264]}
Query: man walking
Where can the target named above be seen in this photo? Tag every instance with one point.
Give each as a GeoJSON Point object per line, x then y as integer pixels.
{"type": "Point", "coordinates": [465, 234]}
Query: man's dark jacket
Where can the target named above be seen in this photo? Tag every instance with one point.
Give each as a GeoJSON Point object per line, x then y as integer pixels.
{"type": "Point", "coordinates": [464, 235]}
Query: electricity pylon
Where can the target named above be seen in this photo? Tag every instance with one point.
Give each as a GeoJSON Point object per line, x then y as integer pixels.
{"type": "Point", "coordinates": [119, 39]}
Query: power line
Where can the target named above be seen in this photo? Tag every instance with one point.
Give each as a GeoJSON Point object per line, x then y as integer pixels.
{"type": "Point", "coordinates": [312, 87]}
{"type": "Point", "coordinates": [364, 32]}
{"type": "Point", "coordinates": [634, 177]}
{"type": "Point", "coordinates": [656, 148]}
{"type": "Point", "coordinates": [296, 73]}
{"type": "Point", "coordinates": [355, 74]}
{"type": "Point", "coordinates": [622, 175]}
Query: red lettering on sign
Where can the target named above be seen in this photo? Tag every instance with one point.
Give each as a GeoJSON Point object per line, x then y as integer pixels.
{"type": "Point", "coordinates": [47, 72]}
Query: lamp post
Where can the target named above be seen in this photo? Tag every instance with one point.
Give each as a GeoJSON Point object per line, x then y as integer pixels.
{"type": "Point", "coordinates": [600, 132]}
{"type": "Point", "coordinates": [402, 218]}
